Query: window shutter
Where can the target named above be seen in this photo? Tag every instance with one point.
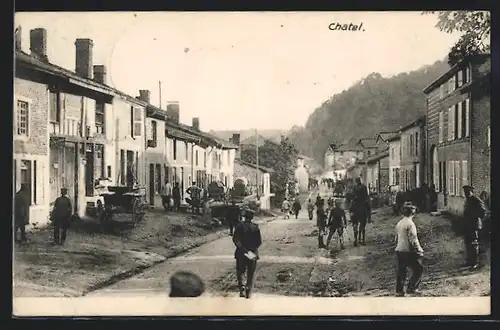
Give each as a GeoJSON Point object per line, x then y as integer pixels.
{"type": "Point", "coordinates": [441, 127]}
{"type": "Point", "coordinates": [449, 173]}
{"type": "Point", "coordinates": [451, 123]}
{"type": "Point", "coordinates": [458, 178]}
{"type": "Point", "coordinates": [40, 184]}
{"type": "Point", "coordinates": [467, 117]}
{"type": "Point", "coordinates": [465, 175]}
{"type": "Point", "coordinates": [436, 175]}
{"type": "Point", "coordinates": [459, 121]}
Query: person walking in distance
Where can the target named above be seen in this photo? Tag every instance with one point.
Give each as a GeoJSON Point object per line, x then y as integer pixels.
{"type": "Point", "coordinates": [233, 216]}
{"type": "Point", "coordinates": [321, 222]}
{"type": "Point", "coordinates": [285, 208]}
{"type": "Point", "coordinates": [61, 217]}
{"type": "Point", "coordinates": [359, 211]}
{"type": "Point", "coordinates": [21, 212]}
{"type": "Point", "coordinates": [409, 253]}
{"type": "Point", "coordinates": [176, 195]}
{"type": "Point", "coordinates": [474, 213]}
{"type": "Point", "coordinates": [336, 224]}
{"type": "Point", "coordinates": [296, 208]}
{"type": "Point", "coordinates": [247, 239]}
{"type": "Point", "coordinates": [310, 208]}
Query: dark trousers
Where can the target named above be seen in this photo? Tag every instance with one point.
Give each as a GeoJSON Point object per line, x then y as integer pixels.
{"type": "Point", "coordinates": [471, 239]}
{"type": "Point", "coordinates": [166, 202]}
{"type": "Point", "coordinates": [296, 212]}
{"type": "Point", "coordinates": [243, 265]}
{"type": "Point", "coordinates": [177, 204]}
{"type": "Point", "coordinates": [407, 260]}
{"type": "Point", "coordinates": [232, 224]}
{"type": "Point", "coordinates": [60, 230]}
{"type": "Point", "coordinates": [22, 229]}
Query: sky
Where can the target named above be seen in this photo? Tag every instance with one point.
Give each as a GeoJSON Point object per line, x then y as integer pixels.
{"type": "Point", "coordinates": [235, 70]}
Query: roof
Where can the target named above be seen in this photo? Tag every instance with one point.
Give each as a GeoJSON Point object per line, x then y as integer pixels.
{"type": "Point", "coordinates": [385, 136]}
{"type": "Point", "coordinates": [394, 137]}
{"type": "Point", "coordinates": [445, 76]}
{"type": "Point", "coordinates": [178, 130]}
{"type": "Point", "coordinates": [378, 156]}
{"type": "Point", "coordinates": [368, 142]}
{"type": "Point", "coordinates": [72, 76]}
{"type": "Point", "coordinates": [349, 147]}
{"type": "Point", "coordinates": [261, 168]}
{"type": "Point", "coordinates": [419, 121]}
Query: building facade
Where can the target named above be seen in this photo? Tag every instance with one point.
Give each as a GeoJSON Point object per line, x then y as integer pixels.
{"type": "Point", "coordinates": [302, 175]}
{"type": "Point", "coordinates": [458, 126]}
{"type": "Point", "coordinates": [412, 154]}
{"type": "Point", "coordinates": [394, 160]}
{"type": "Point", "coordinates": [377, 172]}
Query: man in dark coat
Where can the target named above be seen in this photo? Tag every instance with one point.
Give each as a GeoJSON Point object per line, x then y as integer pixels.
{"type": "Point", "coordinates": [321, 219]}
{"type": "Point", "coordinates": [61, 215]}
{"type": "Point", "coordinates": [359, 211]}
{"type": "Point", "coordinates": [474, 213]}
{"type": "Point", "coordinates": [22, 210]}
{"type": "Point", "coordinates": [176, 195]}
{"type": "Point", "coordinates": [296, 207]}
{"type": "Point", "coordinates": [247, 239]}
{"type": "Point", "coordinates": [233, 216]}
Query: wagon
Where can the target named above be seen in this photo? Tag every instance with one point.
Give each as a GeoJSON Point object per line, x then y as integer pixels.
{"type": "Point", "coordinates": [124, 200]}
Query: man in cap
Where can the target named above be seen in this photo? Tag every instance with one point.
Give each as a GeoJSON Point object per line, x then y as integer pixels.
{"type": "Point", "coordinates": [61, 216]}
{"type": "Point", "coordinates": [409, 252]}
{"type": "Point", "coordinates": [186, 285]}
{"type": "Point", "coordinates": [474, 213]}
{"type": "Point", "coordinates": [21, 212]}
{"type": "Point", "coordinates": [247, 238]}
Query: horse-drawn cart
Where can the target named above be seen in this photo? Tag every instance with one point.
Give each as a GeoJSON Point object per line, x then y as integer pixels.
{"type": "Point", "coordinates": [124, 200]}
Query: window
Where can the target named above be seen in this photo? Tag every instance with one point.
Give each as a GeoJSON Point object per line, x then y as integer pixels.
{"type": "Point", "coordinates": [205, 158]}
{"type": "Point", "coordinates": [442, 91]}
{"type": "Point", "coordinates": [460, 78]}
{"type": "Point", "coordinates": [457, 178]}
{"type": "Point", "coordinates": [441, 127]}
{"type": "Point", "coordinates": [451, 123]}
{"type": "Point", "coordinates": [154, 131]}
{"type": "Point", "coordinates": [488, 137]}
{"type": "Point", "coordinates": [186, 149]}
{"type": "Point", "coordinates": [412, 143]}
{"type": "Point", "coordinates": [55, 108]}
{"type": "Point", "coordinates": [450, 177]}
{"type": "Point", "coordinates": [99, 118]}
{"type": "Point", "coordinates": [416, 143]}
{"type": "Point", "coordinates": [22, 119]}
{"type": "Point", "coordinates": [466, 116]}
{"type": "Point", "coordinates": [397, 176]}
{"type": "Point", "coordinates": [459, 133]}
{"type": "Point", "coordinates": [109, 171]}
{"type": "Point", "coordinates": [466, 75]}
{"type": "Point", "coordinates": [196, 157]}
{"type": "Point", "coordinates": [451, 84]}
{"type": "Point", "coordinates": [136, 121]}
{"type": "Point", "coordinates": [174, 142]}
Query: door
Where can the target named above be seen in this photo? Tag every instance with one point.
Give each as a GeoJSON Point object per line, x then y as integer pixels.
{"type": "Point", "coordinates": [70, 176]}
{"type": "Point", "coordinates": [151, 184]}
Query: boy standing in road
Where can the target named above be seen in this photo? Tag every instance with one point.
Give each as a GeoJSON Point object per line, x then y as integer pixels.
{"type": "Point", "coordinates": [336, 224]}
{"type": "Point", "coordinates": [247, 238]}
{"type": "Point", "coordinates": [409, 253]}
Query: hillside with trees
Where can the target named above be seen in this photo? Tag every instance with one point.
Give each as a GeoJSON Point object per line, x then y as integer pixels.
{"type": "Point", "coordinates": [372, 105]}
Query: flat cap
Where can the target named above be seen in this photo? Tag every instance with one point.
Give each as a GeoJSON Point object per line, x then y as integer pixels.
{"type": "Point", "coordinates": [468, 188]}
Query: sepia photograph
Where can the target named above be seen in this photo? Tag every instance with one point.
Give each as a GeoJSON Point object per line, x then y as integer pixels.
{"type": "Point", "coordinates": [251, 163]}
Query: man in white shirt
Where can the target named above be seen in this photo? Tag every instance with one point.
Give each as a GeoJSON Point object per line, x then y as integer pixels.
{"type": "Point", "coordinates": [409, 253]}
{"type": "Point", "coordinates": [167, 196]}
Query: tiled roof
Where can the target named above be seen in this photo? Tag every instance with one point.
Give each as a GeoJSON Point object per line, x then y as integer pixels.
{"type": "Point", "coordinates": [368, 142]}
{"type": "Point", "coordinates": [378, 156]}
{"type": "Point", "coordinates": [261, 168]}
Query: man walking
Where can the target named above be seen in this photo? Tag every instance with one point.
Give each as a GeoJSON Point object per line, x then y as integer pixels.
{"type": "Point", "coordinates": [296, 208]}
{"type": "Point", "coordinates": [359, 210]}
{"type": "Point", "coordinates": [176, 194]}
{"type": "Point", "coordinates": [409, 253]}
{"type": "Point", "coordinates": [474, 213]}
{"type": "Point", "coordinates": [167, 196]}
{"type": "Point", "coordinates": [21, 212]}
{"type": "Point", "coordinates": [61, 216]}
{"type": "Point", "coordinates": [247, 239]}
{"type": "Point", "coordinates": [336, 224]}
{"type": "Point", "coordinates": [233, 216]}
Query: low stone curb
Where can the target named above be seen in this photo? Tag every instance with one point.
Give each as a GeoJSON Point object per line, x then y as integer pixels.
{"type": "Point", "coordinates": [177, 251]}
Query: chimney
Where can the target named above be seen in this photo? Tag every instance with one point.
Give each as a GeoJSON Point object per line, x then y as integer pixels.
{"type": "Point", "coordinates": [196, 123]}
{"type": "Point", "coordinates": [144, 95]}
{"type": "Point", "coordinates": [100, 74]}
{"type": "Point", "coordinates": [38, 43]}
{"type": "Point", "coordinates": [173, 111]}
{"type": "Point", "coordinates": [236, 141]}
{"type": "Point", "coordinates": [17, 38]}
{"type": "Point", "coordinates": [84, 54]}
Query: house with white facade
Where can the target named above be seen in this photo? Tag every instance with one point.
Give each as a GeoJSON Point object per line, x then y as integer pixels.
{"type": "Point", "coordinates": [394, 159]}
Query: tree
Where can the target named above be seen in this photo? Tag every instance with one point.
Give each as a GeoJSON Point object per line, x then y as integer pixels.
{"type": "Point", "coordinates": [279, 157]}
{"type": "Point", "coordinates": [475, 26]}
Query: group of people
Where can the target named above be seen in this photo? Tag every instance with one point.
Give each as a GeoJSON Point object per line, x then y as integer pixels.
{"type": "Point", "coordinates": [171, 196]}
{"type": "Point", "coordinates": [291, 208]}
